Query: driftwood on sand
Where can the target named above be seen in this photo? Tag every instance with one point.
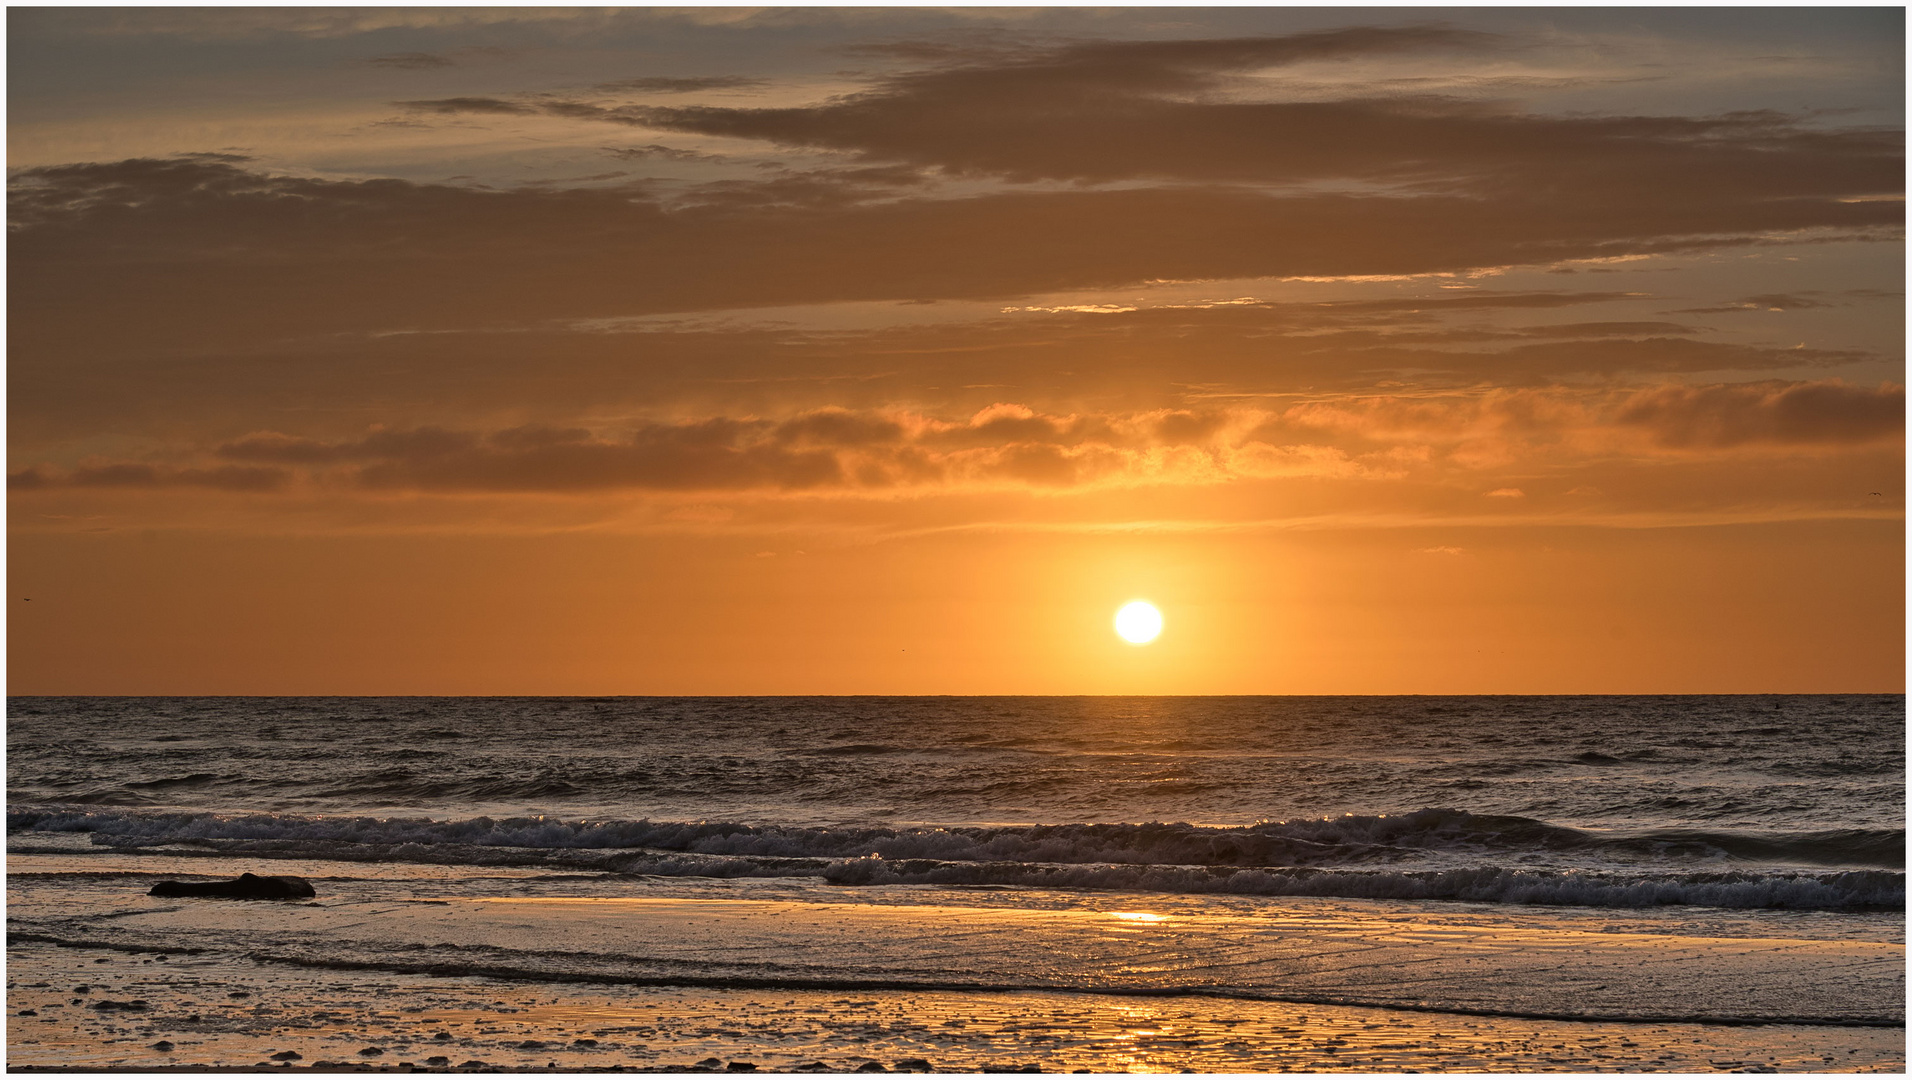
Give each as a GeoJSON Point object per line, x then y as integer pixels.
{"type": "Point", "coordinates": [243, 887]}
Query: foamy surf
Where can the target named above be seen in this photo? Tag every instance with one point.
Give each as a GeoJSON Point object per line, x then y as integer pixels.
{"type": "Point", "coordinates": [1368, 857]}
{"type": "Point", "coordinates": [1581, 861]}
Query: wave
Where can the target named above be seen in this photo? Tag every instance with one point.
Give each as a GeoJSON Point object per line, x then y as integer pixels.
{"type": "Point", "coordinates": [200, 779]}
{"type": "Point", "coordinates": [1835, 891]}
{"type": "Point", "coordinates": [1843, 890]}
{"type": "Point", "coordinates": [1324, 857]}
{"type": "Point", "coordinates": [1345, 841]}
{"type": "Point", "coordinates": [402, 784]}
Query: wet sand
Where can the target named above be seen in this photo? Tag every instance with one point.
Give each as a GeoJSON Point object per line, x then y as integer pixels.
{"type": "Point", "coordinates": [194, 1013]}
{"type": "Point", "coordinates": [399, 972]}
{"type": "Point", "coordinates": [1554, 964]}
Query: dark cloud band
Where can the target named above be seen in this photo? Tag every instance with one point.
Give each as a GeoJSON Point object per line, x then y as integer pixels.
{"type": "Point", "coordinates": [1010, 444]}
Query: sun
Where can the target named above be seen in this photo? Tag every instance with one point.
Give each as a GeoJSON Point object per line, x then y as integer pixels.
{"type": "Point", "coordinates": [1138, 622]}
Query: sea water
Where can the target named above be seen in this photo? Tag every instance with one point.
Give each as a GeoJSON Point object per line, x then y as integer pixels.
{"type": "Point", "coordinates": [941, 843]}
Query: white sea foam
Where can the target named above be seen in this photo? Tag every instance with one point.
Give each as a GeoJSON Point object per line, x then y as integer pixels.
{"type": "Point", "coordinates": [1347, 857]}
{"type": "Point", "coordinates": [1330, 841]}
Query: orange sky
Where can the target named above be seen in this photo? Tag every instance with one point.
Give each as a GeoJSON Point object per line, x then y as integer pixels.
{"type": "Point", "coordinates": [890, 351]}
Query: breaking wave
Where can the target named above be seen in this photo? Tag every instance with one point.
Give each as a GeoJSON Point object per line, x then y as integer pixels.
{"type": "Point", "coordinates": [1353, 839]}
{"type": "Point", "coordinates": [1353, 857]}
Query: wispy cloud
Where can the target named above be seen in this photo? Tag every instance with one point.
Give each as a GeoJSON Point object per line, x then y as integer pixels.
{"type": "Point", "coordinates": [799, 237]}
{"type": "Point", "coordinates": [675, 84]}
{"type": "Point", "coordinates": [411, 61]}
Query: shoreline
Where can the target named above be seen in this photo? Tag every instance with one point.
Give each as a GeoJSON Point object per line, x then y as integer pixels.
{"type": "Point", "coordinates": [232, 1015]}
{"type": "Point", "coordinates": [1524, 966]}
{"type": "Point", "coordinates": [518, 977]}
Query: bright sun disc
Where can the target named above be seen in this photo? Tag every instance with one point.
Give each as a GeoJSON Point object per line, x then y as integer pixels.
{"type": "Point", "coordinates": [1138, 622]}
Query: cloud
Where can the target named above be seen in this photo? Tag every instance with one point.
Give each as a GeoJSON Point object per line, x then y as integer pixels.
{"type": "Point", "coordinates": [820, 450]}
{"type": "Point", "coordinates": [231, 23]}
{"type": "Point", "coordinates": [1763, 302]}
{"type": "Point", "coordinates": [1605, 330]}
{"type": "Point", "coordinates": [135, 475]}
{"type": "Point", "coordinates": [1485, 298]}
{"type": "Point", "coordinates": [1009, 77]}
{"type": "Point", "coordinates": [411, 61]}
{"type": "Point", "coordinates": [209, 250]}
{"type": "Point", "coordinates": [658, 150]}
{"type": "Point", "coordinates": [664, 84]}
{"type": "Point", "coordinates": [1564, 428]}
{"type": "Point", "coordinates": [1106, 111]}
{"type": "Point", "coordinates": [229, 367]}
{"type": "Point", "coordinates": [1096, 112]}
{"type": "Point", "coordinates": [285, 449]}
{"type": "Point", "coordinates": [813, 188]}
{"type": "Point", "coordinates": [1785, 302]}
{"type": "Point", "coordinates": [1172, 64]}
{"type": "Point", "coordinates": [1374, 438]}
{"type": "Point", "coordinates": [837, 428]}
{"type": "Point", "coordinates": [424, 61]}
{"type": "Point", "coordinates": [457, 105]}
{"type": "Point", "coordinates": [1773, 413]}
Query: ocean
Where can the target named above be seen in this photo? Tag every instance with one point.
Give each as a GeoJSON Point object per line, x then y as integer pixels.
{"type": "Point", "coordinates": [1714, 861]}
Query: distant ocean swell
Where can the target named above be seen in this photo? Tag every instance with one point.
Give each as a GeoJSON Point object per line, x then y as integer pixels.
{"type": "Point", "coordinates": [1267, 860]}
{"type": "Point", "coordinates": [1323, 841]}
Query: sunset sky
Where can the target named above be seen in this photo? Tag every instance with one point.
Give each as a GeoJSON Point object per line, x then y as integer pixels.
{"type": "Point", "coordinates": [864, 350]}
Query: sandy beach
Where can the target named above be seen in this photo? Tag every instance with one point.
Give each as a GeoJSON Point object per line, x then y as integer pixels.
{"type": "Point", "coordinates": [201, 1013]}
{"type": "Point", "coordinates": [1434, 940]}
{"type": "Point", "coordinates": [395, 971]}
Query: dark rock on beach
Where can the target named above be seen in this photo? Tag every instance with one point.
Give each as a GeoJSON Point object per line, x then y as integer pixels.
{"type": "Point", "coordinates": [243, 887]}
